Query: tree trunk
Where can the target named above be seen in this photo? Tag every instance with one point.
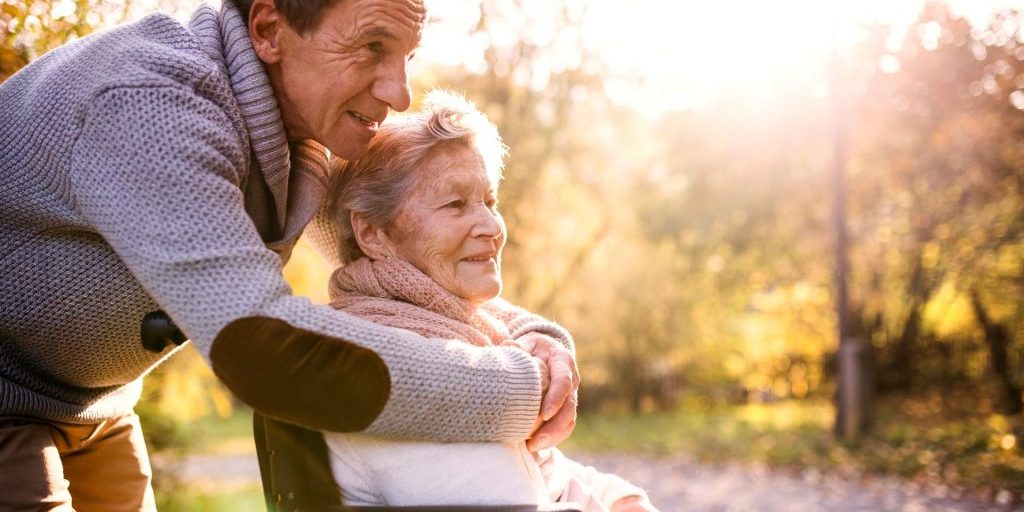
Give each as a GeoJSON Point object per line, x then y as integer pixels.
{"type": "Point", "coordinates": [997, 336]}
{"type": "Point", "coordinates": [900, 368]}
{"type": "Point", "coordinates": [901, 365]}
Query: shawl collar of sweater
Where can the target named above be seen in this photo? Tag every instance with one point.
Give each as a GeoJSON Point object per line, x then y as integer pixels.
{"type": "Point", "coordinates": [295, 176]}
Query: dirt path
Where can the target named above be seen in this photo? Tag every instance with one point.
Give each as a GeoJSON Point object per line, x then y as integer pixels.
{"type": "Point", "coordinates": [677, 485]}
{"type": "Point", "coordinates": [684, 486]}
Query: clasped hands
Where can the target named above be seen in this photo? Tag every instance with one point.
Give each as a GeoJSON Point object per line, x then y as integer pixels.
{"type": "Point", "coordinates": [560, 380]}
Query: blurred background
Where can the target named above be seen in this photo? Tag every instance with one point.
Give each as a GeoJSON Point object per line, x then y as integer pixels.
{"type": "Point", "coordinates": [671, 198]}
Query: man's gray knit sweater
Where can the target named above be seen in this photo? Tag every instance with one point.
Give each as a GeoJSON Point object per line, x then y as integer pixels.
{"type": "Point", "coordinates": [147, 168]}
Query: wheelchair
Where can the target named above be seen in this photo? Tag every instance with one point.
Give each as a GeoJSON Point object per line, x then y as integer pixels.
{"type": "Point", "coordinates": [296, 474]}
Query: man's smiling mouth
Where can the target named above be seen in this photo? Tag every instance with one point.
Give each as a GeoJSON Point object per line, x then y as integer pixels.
{"type": "Point", "coordinates": [369, 122]}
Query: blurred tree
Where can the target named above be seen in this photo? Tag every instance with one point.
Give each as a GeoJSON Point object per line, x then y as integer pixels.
{"type": "Point", "coordinates": [30, 29]}
{"type": "Point", "coordinates": [938, 190]}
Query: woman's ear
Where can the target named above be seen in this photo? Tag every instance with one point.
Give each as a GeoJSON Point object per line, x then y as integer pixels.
{"type": "Point", "coordinates": [372, 240]}
{"type": "Point", "coordinates": [266, 28]}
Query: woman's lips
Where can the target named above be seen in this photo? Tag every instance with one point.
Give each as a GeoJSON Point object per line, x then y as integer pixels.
{"type": "Point", "coordinates": [479, 258]}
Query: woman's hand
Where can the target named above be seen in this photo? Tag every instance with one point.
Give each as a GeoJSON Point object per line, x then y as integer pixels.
{"type": "Point", "coordinates": [558, 406]}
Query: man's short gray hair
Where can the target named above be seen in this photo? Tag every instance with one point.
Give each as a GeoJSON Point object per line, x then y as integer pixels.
{"type": "Point", "coordinates": [302, 15]}
{"type": "Point", "coordinates": [377, 184]}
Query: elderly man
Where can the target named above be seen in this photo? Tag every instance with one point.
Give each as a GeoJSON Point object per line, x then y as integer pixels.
{"type": "Point", "coordinates": [159, 172]}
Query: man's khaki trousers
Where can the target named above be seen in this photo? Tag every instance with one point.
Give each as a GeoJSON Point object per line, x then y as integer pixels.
{"type": "Point", "coordinates": [46, 465]}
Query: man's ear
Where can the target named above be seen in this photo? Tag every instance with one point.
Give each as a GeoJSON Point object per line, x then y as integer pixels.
{"type": "Point", "coordinates": [266, 28]}
{"type": "Point", "coordinates": [372, 240]}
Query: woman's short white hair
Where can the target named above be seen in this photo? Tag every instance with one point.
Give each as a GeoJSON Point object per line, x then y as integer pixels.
{"type": "Point", "coordinates": [377, 184]}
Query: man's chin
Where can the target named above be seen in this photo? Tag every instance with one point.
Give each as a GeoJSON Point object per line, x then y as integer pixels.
{"type": "Point", "coordinates": [349, 144]}
{"type": "Point", "coordinates": [348, 151]}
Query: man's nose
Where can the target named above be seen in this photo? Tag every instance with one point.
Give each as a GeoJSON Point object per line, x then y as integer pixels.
{"type": "Point", "coordinates": [393, 87]}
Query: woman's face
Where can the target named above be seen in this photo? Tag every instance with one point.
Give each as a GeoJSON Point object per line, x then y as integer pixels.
{"type": "Point", "coordinates": [449, 227]}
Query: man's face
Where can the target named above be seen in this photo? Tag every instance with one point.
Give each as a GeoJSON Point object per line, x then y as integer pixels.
{"type": "Point", "coordinates": [336, 83]}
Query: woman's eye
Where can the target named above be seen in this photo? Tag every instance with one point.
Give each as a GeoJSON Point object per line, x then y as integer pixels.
{"type": "Point", "coordinates": [458, 203]}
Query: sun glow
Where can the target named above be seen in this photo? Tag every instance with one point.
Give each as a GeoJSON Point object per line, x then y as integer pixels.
{"type": "Point", "coordinates": [682, 54]}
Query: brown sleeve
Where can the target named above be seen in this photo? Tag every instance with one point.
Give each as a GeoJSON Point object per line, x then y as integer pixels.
{"type": "Point", "coordinates": [299, 376]}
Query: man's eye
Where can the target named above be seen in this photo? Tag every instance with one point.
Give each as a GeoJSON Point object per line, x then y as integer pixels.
{"type": "Point", "coordinates": [458, 203]}
{"type": "Point", "coordinates": [492, 204]}
{"type": "Point", "coordinates": [375, 47]}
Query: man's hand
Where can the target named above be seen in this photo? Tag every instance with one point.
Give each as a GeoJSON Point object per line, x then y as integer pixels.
{"type": "Point", "coordinates": [559, 380]}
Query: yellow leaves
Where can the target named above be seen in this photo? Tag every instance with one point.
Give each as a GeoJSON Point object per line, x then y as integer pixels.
{"type": "Point", "coordinates": [806, 293]}
{"type": "Point", "coordinates": [799, 382]}
{"type": "Point", "coordinates": [930, 255]}
{"type": "Point", "coordinates": [801, 294]}
{"type": "Point", "coordinates": [715, 264]}
{"type": "Point", "coordinates": [948, 314]}
{"type": "Point", "coordinates": [30, 29]}
{"type": "Point", "coordinates": [1009, 262]}
{"type": "Point", "coordinates": [965, 249]}
{"type": "Point", "coordinates": [786, 414]}
{"type": "Point", "coordinates": [10, 61]}
{"type": "Point", "coordinates": [1001, 436]}
{"type": "Point", "coordinates": [307, 274]}
{"type": "Point", "coordinates": [11, 9]}
{"type": "Point", "coordinates": [998, 423]}
{"type": "Point", "coordinates": [943, 231]}
{"type": "Point", "coordinates": [737, 365]}
{"type": "Point", "coordinates": [186, 389]}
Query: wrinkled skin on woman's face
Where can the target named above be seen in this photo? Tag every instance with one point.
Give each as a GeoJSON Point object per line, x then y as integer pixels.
{"type": "Point", "coordinates": [449, 226]}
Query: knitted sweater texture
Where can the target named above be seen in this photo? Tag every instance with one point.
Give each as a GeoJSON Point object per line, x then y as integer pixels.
{"type": "Point", "coordinates": [147, 168]}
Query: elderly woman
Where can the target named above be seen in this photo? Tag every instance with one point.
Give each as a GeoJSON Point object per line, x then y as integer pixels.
{"type": "Point", "coordinates": [422, 241]}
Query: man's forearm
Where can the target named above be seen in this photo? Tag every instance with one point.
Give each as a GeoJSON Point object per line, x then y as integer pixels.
{"type": "Point", "coordinates": [408, 387]}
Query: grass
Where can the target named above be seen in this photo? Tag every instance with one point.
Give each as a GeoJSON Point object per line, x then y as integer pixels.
{"type": "Point", "coordinates": [781, 434]}
{"type": "Point", "coordinates": [226, 436]}
{"type": "Point", "coordinates": [210, 436]}
{"type": "Point", "coordinates": [914, 438]}
{"type": "Point", "coordinates": [243, 499]}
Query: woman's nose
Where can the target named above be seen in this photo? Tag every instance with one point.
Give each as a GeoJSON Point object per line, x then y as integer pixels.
{"type": "Point", "coordinates": [488, 222]}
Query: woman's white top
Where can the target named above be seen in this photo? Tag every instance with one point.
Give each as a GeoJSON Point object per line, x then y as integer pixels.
{"type": "Point", "coordinates": [375, 471]}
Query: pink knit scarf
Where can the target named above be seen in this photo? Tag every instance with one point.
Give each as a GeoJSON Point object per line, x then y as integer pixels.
{"type": "Point", "coordinates": [394, 293]}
